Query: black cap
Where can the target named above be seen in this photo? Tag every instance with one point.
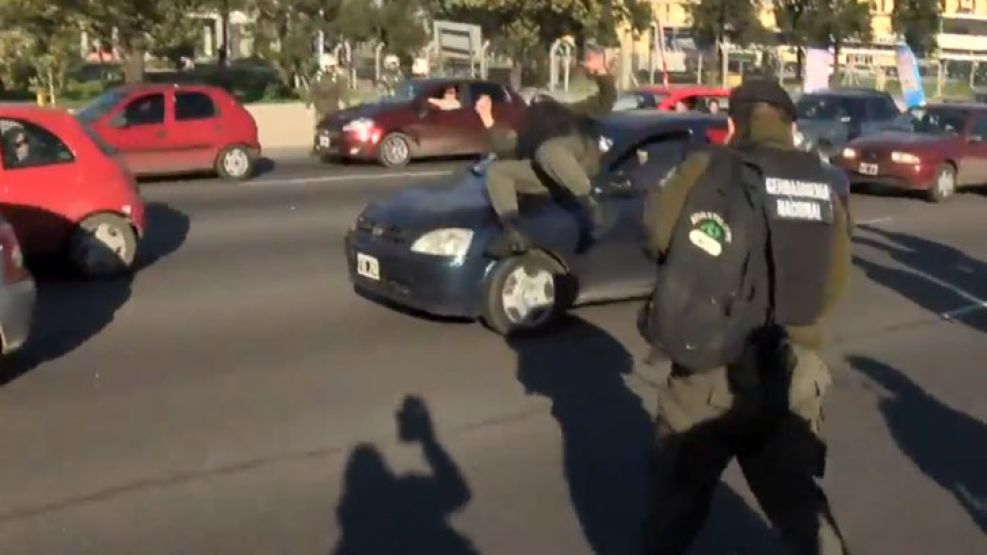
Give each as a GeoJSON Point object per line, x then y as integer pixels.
{"type": "Point", "coordinates": [751, 91]}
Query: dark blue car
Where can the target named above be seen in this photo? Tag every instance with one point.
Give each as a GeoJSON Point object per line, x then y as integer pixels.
{"type": "Point", "coordinates": [424, 247]}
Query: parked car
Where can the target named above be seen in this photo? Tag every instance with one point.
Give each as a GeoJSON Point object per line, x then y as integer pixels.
{"type": "Point", "coordinates": [834, 117]}
{"type": "Point", "coordinates": [65, 193]}
{"type": "Point", "coordinates": [424, 248]}
{"type": "Point", "coordinates": [17, 293]}
{"type": "Point", "coordinates": [413, 124]}
{"type": "Point", "coordinates": [948, 149]}
{"type": "Point", "coordinates": [162, 129]}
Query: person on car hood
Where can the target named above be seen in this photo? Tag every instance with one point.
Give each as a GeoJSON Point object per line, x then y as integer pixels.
{"type": "Point", "coordinates": [558, 145]}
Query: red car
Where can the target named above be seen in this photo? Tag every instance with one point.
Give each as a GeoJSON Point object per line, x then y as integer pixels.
{"type": "Point", "coordinates": [658, 97]}
{"type": "Point", "coordinates": [947, 149]}
{"type": "Point", "coordinates": [423, 118]}
{"type": "Point", "coordinates": [65, 193]}
{"type": "Point", "coordinates": [176, 129]}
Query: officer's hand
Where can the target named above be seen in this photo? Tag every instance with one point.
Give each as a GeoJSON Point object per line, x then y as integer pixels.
{"type": "Point", "coordinates": [484, 109]}
{"type": "Point", "coordinates": [414, 422]}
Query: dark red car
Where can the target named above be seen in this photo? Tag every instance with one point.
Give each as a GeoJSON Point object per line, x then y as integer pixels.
{"type": "Point", "coordinates": [948, 149]}
{"type": "Point", "coordinates": [64, 192]}
{"type": "Point", "coordinates": [175, 129]}
{"type": "Point", "coordinates": [423, 118]}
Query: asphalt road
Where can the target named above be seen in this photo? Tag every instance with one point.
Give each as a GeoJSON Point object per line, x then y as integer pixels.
{"type": "Point", "coordinates": [236, 396]}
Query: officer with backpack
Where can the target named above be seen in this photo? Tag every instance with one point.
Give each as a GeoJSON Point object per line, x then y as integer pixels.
{"type": "Point", "coordinates": [752, 250]}
{"type": "Point", "coordinates": [558, 148]}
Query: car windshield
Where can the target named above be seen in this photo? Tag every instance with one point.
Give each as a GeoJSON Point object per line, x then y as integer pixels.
{"type": "Point", "coordinates": [405, 91]}
{"type": "Point", "coordinates": [825, 107]}
{"type": "Point", "coordinates": [100, 106]}
{"type": "Point", "coordinates": [939, 121]}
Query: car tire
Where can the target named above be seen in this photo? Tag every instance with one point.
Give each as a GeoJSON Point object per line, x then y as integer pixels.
{"type": "Point", "coordinates": [103, 245]}
{"type": "Point", "coordinates": [235, 163]}
{"type": "Point", "coordinates": [525, 294]}
{"type": "Point", "coordinates": [394, 150]}
{"type": "Point", "coordinates": [944, 185]}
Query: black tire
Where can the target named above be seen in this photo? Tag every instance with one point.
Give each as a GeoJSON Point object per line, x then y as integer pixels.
{"type": "Point", "coordinates": [505, 321]}
{"type": "Point", "coordinates": [394, 150]}
{"type": "Point", "coordinates": [103, 245]}
{"type": "Point", "coordinates": [235, 163]}
{"type": "Point", "coordinates": [944, 185]}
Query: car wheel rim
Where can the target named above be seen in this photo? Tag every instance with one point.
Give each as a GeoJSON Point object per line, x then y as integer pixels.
{"type": "Point", "coordinates": [946, 184]}
{"type": "Point", "coordinates": [528, 298]}
{"type": "Point", "coordinates": [236, 162]}
{"type": "Point", "coordinates": [395, 151]}
{"type": "Point", "coordinates": [103, 248]}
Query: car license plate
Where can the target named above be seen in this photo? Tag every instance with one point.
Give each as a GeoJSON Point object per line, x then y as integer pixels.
{"type": "Point", "coordinates": [324, 141]}
{"type": "Point", "coordinates": [868, 169]}
{"type": "Point", "coordinates": [367, 266]}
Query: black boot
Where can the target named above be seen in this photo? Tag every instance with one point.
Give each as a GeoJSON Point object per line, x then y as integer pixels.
{"type": "Point", "coordinates": [511, 241]}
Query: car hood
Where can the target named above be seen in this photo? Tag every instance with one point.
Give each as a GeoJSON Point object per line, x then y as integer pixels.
{"type": "Point", "coordinates": [371, 110]}
{"type": "Point", "coordinates": [460, 201]}
{"type": "Point", "coordinates": [898, 139]}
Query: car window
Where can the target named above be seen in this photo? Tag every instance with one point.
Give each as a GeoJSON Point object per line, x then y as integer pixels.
{"type": "Point", "coordinates": [882, 108]}
{"type": "Point", "coordinates": [145, 110]}
{"type": "Point", "coordinates": [496, 93]}
{"type": "Point", "coordinates": [629, 101]}
{"type": "Point", "coordinates": [826, 107]}
{"type": "Point", "coordinates": [647, 162]}
{"type": "Point", "coordinates": [980, 126]}
{"type": "Point", "coordinates": [939, 120]}
{"type": "Point", "coordinates": [712, 104]}
{"type": "Point", "coordinates": [193, 106]}
{"type": "Point", "coordinates": [447, 97]}
{"type": "Point", "coordinates": [26, 145]}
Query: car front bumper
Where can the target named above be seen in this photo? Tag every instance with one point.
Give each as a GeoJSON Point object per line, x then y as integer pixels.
{"type": "Point", "coordinates": [16, 314]}
{"type": "Point", "coordinates": [335, 143]}
{"type": "Point", "coordinates": [436, 285]}
{"type": "Point", "coordinates": [898, 176]}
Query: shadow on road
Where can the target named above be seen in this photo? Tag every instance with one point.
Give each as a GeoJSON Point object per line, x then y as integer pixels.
{"type": "Point", "coordinates": [608, 437]}
{"type": "Point", "coordinates": [70, 311]}
{"type": "Point", "coordinates": [938, 277]}
{"type": "Point", "coordinates": [948, 446]}
{"type": "Point", "coordinates": [384, 514]}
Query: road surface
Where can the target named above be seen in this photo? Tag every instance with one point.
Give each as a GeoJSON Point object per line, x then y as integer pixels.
{"type": "Point", "coordinates": [236, 396]}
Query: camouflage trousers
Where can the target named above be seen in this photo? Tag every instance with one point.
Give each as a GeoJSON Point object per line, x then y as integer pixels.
{"type": "Point", "coordinates": [705, 420]}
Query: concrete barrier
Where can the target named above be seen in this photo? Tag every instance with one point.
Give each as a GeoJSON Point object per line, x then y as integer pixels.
{"type": "Point", "coordinates": [284, 126]}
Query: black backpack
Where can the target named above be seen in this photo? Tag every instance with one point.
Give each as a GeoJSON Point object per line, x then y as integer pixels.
{"type": "Point", "coordinates": [712, 290]}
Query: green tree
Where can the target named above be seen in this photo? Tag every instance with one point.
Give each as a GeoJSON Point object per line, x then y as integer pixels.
{"type": "Point", "coordinates": [42, 36]}
{"type": "Point", "coordinates": [285, 34]}
{"type": "Point", "coordinates": [833, 22]}
{"type": "Point", "coordinates": [918, 22]}
{"type": "Point", "coordinates": [735, 21]}
{"type": "Point", "coordinates": [793, 22]}
{"type": "Point", "coordinates": [523, 29]}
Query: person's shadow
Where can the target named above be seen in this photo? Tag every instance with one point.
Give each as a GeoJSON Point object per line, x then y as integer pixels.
{"type": "Point", "coordinates": [608, 439]}
{"type": "Point", "coordinates": [948, 446]}
{"type": "Point", "coordinates": [382, 514]}
{"type": "Point", "coordinates": [939, 278]}
{"type": "Point", "coordinates": [69, 311]}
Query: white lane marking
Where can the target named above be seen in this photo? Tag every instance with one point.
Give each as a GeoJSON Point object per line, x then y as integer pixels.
{"type": "Point", "coordinates": [873, 221]}
{"type": "Point", "coordinates": [351, 177]}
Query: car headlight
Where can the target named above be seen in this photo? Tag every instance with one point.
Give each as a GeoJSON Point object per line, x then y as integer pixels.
{"type": "Point", "coordinates": [444, 242]}
{"type": "Point", "coordinates": [904, 158]}
{"type": "Point", "coordinates": [849, 153]}
{"type": "Point", "coordinates": [359, 125]}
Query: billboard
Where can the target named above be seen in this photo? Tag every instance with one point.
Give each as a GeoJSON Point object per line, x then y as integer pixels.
{"type": "Point", "coordinates": [909, 77]}
{"type": "Point", "coordinates": [458, 41]}
{"type": "Point", "coordinates": [818, 66]}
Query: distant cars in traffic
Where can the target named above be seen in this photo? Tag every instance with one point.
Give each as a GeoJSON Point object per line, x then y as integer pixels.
{"type": "Point", "coordinates": [423, 118]}
{"type": "Point", "coordinates": [946, 149]}
{"type": "Point", "coordinates": [17, 293]}
{"type": "Point", "coordinates": [65, 193]}
{"type": "Point", "coordinates": [161, 129]}
{"type": "Point", "coordinates": [831, 118]}
{"type": "Point", "coordinates": [424, 248]}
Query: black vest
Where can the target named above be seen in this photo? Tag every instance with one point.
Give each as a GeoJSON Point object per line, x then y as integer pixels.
{"type": "Point", "coordinates": [799, 198]}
